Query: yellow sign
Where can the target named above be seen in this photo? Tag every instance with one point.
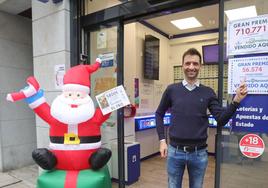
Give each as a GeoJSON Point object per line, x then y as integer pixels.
{"type": "Point", "coordinates": [104, 84]}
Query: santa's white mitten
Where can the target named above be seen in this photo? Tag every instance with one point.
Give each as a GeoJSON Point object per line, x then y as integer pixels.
{"type": "Point", "coordinates": [98, 60]}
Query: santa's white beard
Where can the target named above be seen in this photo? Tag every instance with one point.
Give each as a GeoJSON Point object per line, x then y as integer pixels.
{"type": "Point", "coordinates": [62, 111]}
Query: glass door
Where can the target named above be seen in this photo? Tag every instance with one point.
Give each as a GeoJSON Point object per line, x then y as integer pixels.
{"type": "Point", "coordinates": [106, 42]}
{"type": "Point", "coordinates": [243, 156]}
{"type": "Point", "coordinates": [102, 43]}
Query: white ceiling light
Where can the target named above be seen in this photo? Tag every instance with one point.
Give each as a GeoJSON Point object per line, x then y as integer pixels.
{"type": "Point", "coordinates": [240, 13]}
{"type": "Point", "coordinates": [186, 23]}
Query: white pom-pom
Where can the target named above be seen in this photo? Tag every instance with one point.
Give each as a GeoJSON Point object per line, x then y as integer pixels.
{"type": "Point", "coordinates": [98, 60]}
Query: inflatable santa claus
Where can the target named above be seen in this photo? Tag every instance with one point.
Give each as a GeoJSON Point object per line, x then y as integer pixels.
{"type": "Point", "coordinates": [75, 139]}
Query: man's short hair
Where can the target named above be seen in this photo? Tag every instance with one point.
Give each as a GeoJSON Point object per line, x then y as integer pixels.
{"type": "Point", "coordinates": [192, 51]}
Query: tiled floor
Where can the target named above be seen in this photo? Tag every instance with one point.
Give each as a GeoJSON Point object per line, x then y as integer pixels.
{"type": "Point", "coordinates": [245, 174]}
{"type": "Point", "coordinates": [153, 175]}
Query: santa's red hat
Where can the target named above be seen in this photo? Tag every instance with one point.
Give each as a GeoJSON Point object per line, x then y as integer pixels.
{"type": "Point", "coordinates": [77, 78]}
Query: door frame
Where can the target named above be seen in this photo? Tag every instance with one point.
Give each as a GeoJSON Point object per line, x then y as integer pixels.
{"type": "Point", "coordinates": [131, 11]}
{"type": "Point", "coordinates": [218, 137]}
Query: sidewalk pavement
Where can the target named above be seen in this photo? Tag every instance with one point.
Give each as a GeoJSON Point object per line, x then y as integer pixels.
{"type": "Point", "coordinates": [20, 178]}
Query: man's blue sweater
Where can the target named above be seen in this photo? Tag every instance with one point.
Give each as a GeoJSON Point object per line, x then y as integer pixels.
{"type": "Point", "coordinates": [189, 119]}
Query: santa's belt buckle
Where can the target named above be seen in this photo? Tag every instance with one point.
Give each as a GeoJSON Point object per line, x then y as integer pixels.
{"type": "Point", "coordinates": [71, 138]}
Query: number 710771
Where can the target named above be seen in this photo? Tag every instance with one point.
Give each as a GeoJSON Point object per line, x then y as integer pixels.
{"type": "Point", "coordinates": [250, 30]}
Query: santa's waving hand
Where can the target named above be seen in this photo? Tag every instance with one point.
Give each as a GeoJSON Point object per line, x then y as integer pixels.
{"type": "Point", "coordinates": [28, 91]}
{"type": "Point", "coordinates": [75, 138]}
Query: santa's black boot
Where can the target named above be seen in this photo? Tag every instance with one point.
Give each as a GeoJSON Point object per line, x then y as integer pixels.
{"type": "Point", "coordinates": [99, 158]}
{"type": "Point", "coordinates": [44, 158]}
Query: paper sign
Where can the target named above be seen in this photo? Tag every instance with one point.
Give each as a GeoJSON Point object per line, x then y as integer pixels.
{"type": "Point", "coordinates": [112, 99]}
{"type": "Point", "coordinates": [107, 59]}
{"type": "Point", "coordinates": [101, 39]}
{"type": "Point", "coordinates": [59, 71]}
{"type": "Point", "coordinates": [247, 36]}
{"type": "Point", "coordinates": [253, 69]}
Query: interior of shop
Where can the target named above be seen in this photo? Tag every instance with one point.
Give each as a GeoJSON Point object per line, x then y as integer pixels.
{"type": "Point", "coordinates": [145, 83]}
{"type": "Point", "coordinates": [172, 43]}
{"type": "Point", "coordinates": [153, 47]}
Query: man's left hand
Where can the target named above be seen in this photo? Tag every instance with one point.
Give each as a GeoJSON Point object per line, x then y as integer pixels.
{"type": "Point", "coordinates": [241, 92]}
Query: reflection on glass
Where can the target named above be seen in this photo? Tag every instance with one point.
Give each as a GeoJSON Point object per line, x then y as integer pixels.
{"type": "Point", "coordinates": [238, 170]}
{"type": "Point", "coordinates": [97, 5]}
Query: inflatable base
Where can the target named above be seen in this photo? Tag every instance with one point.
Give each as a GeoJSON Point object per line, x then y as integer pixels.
{"type": "Point", "coordinates": [75, 179]}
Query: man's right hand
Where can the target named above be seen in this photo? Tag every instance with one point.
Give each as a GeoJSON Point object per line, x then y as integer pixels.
{"type": "Point", "coordinates": [163, 148]}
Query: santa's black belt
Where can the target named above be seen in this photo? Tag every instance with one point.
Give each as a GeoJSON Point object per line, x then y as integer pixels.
{"type": "Point", "coordinates": [83, 139]}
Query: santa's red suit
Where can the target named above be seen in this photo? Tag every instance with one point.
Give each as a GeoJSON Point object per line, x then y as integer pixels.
{"type": "Point", "coordinates": [72, 144]}
{"type": "Point", "coordinates": [73, 156]}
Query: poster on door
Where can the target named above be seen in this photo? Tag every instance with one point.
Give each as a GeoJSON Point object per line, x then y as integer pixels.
{"type": "Point", "coordinates": [247, 36]}
{"type": "Point", "coordinates": [107, 59]}
{"type": "Point", "coordinates": [112, 99]}
{"type": "Point", "coordinates": [251, 115]}
{"type": "Point", "coordinates": [252, 70]}
{"type": "Point", "coordinates": [251, 146]}
{"type": "Point", "coordinates": [59, 71]}
{"type": "Point", "coordinates": [101, 39]}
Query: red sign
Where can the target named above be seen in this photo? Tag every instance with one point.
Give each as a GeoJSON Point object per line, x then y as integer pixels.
{"type": "Point", "coordinates": [251, 145]}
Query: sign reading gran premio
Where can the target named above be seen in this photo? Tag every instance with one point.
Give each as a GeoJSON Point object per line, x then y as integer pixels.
{"type": "Point", "coordinates": [247, 36]}
{"type": "Point", "coordinates": [254, 70]}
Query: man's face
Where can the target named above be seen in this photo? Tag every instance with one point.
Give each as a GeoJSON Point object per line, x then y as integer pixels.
{"type": "Point", "coordinates": [191, 66]}
{"type": "Point", "coordinates": [72, 107]}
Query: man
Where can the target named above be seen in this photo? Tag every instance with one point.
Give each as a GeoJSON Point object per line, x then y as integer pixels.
{"type": "Point", "coordinates": [75, 137]}
{"type": "Point", "coordinates": [188, 102]}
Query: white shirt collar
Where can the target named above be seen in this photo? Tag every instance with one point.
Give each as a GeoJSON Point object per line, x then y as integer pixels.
{"type": "Point", "coordinates": [190, 87]}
